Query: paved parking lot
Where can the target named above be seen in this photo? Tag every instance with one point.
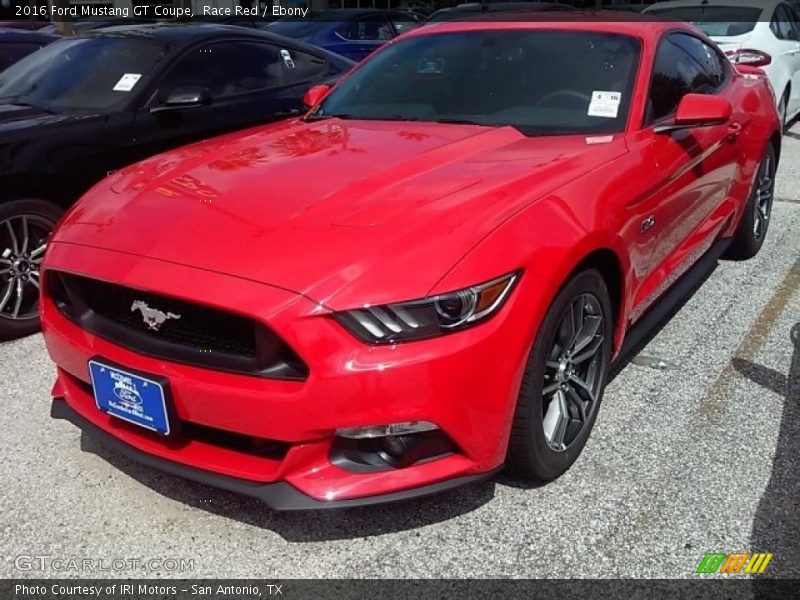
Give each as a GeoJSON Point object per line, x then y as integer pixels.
{"type": "Point", "coordinates": [701, 456]}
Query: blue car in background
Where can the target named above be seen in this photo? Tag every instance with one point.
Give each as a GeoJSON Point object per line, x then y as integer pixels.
{"type": "Point", "coordinates": [352, 33]}
{"type": "Point", "coordinates": [18, 43]}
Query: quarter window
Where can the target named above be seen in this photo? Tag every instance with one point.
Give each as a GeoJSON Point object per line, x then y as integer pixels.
{"type": "Point", "coordinates": [684, 64]}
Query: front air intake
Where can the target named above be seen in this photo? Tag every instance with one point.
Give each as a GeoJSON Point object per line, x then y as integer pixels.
{"type": "Point", "coordinates": [173, 329]}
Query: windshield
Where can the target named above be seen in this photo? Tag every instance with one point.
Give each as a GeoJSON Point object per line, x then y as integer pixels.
{"type": "Point", "coordinates": [80, 74]}
{"type": "Point", "coordinates": [719, 21]}
{"type": "Point", "coordinates": [538, 81]}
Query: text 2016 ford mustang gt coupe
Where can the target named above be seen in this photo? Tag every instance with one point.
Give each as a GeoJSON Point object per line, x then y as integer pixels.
{"type": "Point", "coordinates": [425, 277]}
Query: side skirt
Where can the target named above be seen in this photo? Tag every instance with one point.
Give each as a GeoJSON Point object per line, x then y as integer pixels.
{"type": "Point", "coordinates": [670, 302]}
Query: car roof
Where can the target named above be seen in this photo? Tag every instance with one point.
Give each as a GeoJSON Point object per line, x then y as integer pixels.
{"type": "Point", "coordinates": [340, 14]}
{"type": "Point", "coordinates": [170, 31]}
{"type": "Point", "coordinates": [509, 7]}
{"type": "Point", "coordinates": [178, 36]}
{"type": "Point", "coordinates": [763, 4]}
{"type": "Point", "coordinates": [24, 35]}
{"type": "Point", "coordinates": [625, 23]}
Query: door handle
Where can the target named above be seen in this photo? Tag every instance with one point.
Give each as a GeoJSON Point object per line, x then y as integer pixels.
{"type": "Point", "coordinates": [734, 129]}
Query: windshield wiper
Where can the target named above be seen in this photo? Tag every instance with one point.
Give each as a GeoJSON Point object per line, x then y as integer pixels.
{"type": "Point", "coordinates": [461, 122]}
{"type": "Point", "coordinates": [13, 102]}
{"type": "Point", "coordinates": [331, 116]}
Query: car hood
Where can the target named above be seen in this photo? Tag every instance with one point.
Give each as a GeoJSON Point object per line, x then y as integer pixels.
{"type": "Point", "coordinates": [344, 212]}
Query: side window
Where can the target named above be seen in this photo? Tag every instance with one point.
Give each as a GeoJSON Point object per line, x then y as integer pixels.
{"type": "Point", "coordinates": [794, 20]}
{"type": "Point", "coordinates": [229, 68]}
{"type": "Point", "coordinates": [403, 23]}
{"type": "Point", "coordinates": [676, 73]}
{"type": "Point", "coordinates": [307, 66]}
{"type": "Point", "coordinates": [781, 24]}
{"type": "Point", "coordinates": [367, 29]}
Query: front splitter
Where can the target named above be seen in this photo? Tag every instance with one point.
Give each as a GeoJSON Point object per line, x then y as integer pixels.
{"type": "Point", "coordinates": [278, 496]}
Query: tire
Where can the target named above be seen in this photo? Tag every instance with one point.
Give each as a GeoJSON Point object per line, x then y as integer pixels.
{"type": "Point", "coordinates": [754, 224]}
{"type": "Point", "coordinates": [783, 111]}
{"type": "Point", "coordinates": [534, 453]}
{"type": "Point", "coordinates": [25, 226]}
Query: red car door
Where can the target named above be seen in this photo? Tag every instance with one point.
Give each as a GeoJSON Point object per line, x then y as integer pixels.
{"type": "Point", "coordinates": [695, 167]}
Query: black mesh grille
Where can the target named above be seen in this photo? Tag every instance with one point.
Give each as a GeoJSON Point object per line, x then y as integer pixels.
{"type": "Point", "coordinates": [199, 327]}
{"type": "Point", "coordinates": [191, 334]}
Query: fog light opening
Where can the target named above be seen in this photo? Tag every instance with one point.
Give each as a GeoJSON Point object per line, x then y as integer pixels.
{"type": "Point", "coordinates": [401, 450]}
{"type": "Point", "coordinates": [384, 447]}
{"type": "Point", "coordinates": [394, 446]}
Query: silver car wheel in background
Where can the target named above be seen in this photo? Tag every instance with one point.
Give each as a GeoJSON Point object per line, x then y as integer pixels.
{"type": "Point", "coordinates": [23, 240]}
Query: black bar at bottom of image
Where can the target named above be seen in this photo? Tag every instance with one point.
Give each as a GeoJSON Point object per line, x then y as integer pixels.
{"type": "Point", "coordinates": [369, 589]}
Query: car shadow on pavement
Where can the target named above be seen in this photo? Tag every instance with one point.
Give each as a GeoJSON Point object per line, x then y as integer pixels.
{"type": "Point", "coordinates": [776, 527]}
{"type": "Point", "coordinates": [305, 526]}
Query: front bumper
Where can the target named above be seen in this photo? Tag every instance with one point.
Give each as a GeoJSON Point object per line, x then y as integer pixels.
{"type": "Point", "coordinates": [466, 383]}
{"type": "Point", "coordinates": [278, 496]}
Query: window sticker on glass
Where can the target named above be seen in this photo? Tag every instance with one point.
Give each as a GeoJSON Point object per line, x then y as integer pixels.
{"type": "Point", "coordinates": [605, 104]}
{"type": "Point", "coordinates": [430, 66]}
{"type": "Point", "coordinates": [127, 81]}
{"type": "Point", "coordinates": [287, 59]}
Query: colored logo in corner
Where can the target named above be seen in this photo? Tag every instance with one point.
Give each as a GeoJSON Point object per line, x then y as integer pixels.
{"type": "Point", "coordinates": [754, 563]}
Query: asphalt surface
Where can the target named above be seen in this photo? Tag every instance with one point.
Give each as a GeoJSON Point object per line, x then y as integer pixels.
{"type": "Point", "coordinates": [701, 456]}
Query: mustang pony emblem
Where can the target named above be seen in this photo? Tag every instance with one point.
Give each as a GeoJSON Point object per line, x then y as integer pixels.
{"type": "Point", "coordinates": [153, 317]}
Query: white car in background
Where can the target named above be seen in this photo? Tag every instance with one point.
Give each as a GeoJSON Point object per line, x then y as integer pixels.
{"type": "Point", "coordinates": [761, 33]}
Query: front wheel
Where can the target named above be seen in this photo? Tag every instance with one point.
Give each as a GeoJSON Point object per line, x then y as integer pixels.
{"type": "Point", "coordinates": [564, 380]}
{"type": "Point", "coordinates": [25, 226]}
{"type": "Point", "coordinates": [752, 230]}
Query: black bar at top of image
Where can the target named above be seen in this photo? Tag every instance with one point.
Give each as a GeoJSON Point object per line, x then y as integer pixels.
{"type": "Point", "coordinates": [598, 10]}
{"type": "Point", "coordinates": [733, 588]}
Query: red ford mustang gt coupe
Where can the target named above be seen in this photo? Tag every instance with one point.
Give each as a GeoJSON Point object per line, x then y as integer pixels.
{"type": "Point", "coordinates": [426, 277]}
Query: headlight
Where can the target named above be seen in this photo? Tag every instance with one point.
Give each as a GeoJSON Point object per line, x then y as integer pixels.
{"type": "Point", "coordinates": [428, 317]}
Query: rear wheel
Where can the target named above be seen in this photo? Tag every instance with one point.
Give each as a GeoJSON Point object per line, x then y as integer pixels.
{"type": "Point", "coordinates": [25, 226]}
{"type": "Point", "coordinates": [564, 380]}
{"type": "Point", "coordinates": [752, 230]}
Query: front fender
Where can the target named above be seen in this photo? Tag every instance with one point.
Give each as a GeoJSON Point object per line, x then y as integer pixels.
{"type": "Point", "coordinates": [549, 240]}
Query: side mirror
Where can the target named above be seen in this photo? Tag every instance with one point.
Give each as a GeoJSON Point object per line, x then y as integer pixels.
{"type": "Point", "coordinates": [187, 96]}
{"type": "Point", "coordinates": [699, 110]}
{"type": "Point", "coordinates": [315, 95]}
